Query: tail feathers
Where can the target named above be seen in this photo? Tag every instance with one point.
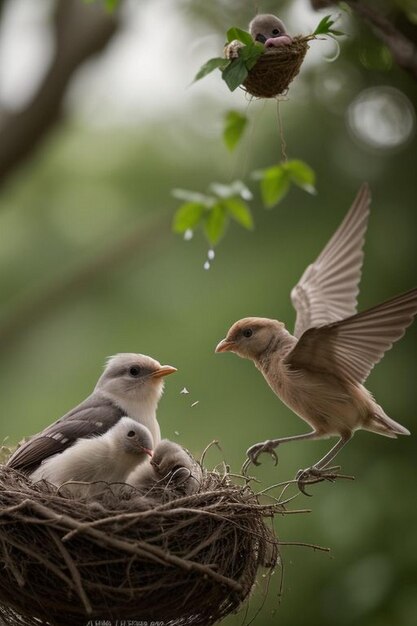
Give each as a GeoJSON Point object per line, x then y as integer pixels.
{"type": "Point", "coordinates": [383, 425]}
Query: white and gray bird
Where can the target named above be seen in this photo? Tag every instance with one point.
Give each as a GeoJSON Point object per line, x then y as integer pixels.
{"type": "Point", "coordinates": [109, 458]}
{"type": "Point", "coordinates": [319, 371]}
{"type": "Point", "coordinates": [171, 467]}
{"type": "Point", "coordinates": [130, 386]}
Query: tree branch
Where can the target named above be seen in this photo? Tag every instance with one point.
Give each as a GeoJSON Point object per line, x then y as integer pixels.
{"type": "Point", "coordinates": [80, 32]}
{"type": "Point", "coordinates": [146, 236]}
{"type": "Point", "coordinates": [403, 50]}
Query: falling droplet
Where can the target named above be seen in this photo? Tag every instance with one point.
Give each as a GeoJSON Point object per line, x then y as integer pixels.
{"type": "Point", "coordinates": [184, 391]}
{"type": "Point", "coordinates": [211, 254]}
{"type": "Point", "coordinates": [206, 265]}
{"type": "Point", "coordinates": [195, 403]}
{"type": "Point", "coordinates": [176, 432]}
{"type": "Point", "coordinates": [189, 234]}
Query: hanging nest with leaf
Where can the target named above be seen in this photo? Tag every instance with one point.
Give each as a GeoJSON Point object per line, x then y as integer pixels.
{"type": "Point", "coordinates": [264, 72]}
{"type": "Point", "coordinates": [276, 68]}
{"type": "Point", "coordinates": [160, 556]}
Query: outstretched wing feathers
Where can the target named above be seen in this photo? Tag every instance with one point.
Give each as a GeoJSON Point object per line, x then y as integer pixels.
{"type": "Point", "coordinates": [328, 289]}
{"type": "Point", "coordinates": [351, 347]}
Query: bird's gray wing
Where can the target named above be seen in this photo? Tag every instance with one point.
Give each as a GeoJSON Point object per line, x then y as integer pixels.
{"type": "Point", "coordinates": [350, 348]}
{"type": "Point", "coordinates": [328, 289]}
{"type": "Point", "coordinates": [91, 418]}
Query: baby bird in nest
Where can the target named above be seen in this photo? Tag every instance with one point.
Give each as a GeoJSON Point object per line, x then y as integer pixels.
{"type": "Point", "coordinates": [320, 370]}
{"type": "Point", "coordinates": [172, 467]}
{"type": "Point", "coordinates": [265, 28]}
{"type": "Point", "coordinates": [108, 458]}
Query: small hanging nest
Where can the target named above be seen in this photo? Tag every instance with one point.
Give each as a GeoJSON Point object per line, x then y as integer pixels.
{"type": "Point", "coordinates": [161, 556]}
{"type": "Point", "coordinates": [276, 68]}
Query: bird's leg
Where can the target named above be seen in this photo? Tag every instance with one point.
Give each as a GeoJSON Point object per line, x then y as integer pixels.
{"type": "Point", "coordinates": [269, 446]}
{"type": "Point", "coordinates": [320, 470]}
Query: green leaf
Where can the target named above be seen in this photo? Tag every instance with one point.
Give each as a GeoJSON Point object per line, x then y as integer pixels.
{"type": "Point", "coordinates": [193, 196]}
{"type": "Point", "coordinates": [240, 35]}
{"type": "Point", "coordinates": [324, 27]}
{"type": "Point", "coordinates": [215, 223]}
{"type": "Point", "coordinates": [239, 210]}
{"type": "Point", "coordinates": [274, 185]}
{"type": "Point", "coordinates": [234, 127]}
{"type": "Point", "coordinates": [301, 174]}
{"type": "Point", "coordinates": [251, 53]}
{"type": "Point", "coordinates": [188, 216]}
{"type": "Point", "coordinates": [235, 73]}
{"type": "Point", "coordinates": [111, 5]}
{"type": "Point", "coordinates": [210, 66]}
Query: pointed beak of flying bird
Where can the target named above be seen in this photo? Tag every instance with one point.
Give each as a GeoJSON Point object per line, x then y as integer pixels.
{"type": "Point", "coordinates": [225, 345]}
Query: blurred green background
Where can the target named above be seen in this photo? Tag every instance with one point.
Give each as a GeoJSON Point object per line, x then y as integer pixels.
{"type": "Point", "coordinates": [89, 266]}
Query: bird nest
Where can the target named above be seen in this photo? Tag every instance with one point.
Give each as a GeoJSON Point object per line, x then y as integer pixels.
{"type": "Point", "coordinates": [276, 68]}
{"type": "Point", "coordinates": [159, 557]}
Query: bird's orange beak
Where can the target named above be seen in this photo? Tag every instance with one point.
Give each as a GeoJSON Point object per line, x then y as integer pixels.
{"type": "Point", "coordinates": [164, 370]}
{"type": "Point", "coordinates": [226, 345]}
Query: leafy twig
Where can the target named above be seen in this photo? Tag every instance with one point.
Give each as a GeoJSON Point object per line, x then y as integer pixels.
{"type": "Point", "coordinates": [213, 212]}
{"type": "Point", "coordinates": [275, 181]}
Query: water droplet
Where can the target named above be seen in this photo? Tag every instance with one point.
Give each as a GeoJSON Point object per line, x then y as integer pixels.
{"type": "Point", "coordinates": [184, 391]}
{"type": "Point", "coordinates": [211, 254]}
{"type": "Point", "coordinates": [195, 403]}
{"type": "Point", "coordinates": [206, 265]}
{"type": "Point", "coordinates": [176, 432]}
{"type": "Point", "coordinates": [189, 234]}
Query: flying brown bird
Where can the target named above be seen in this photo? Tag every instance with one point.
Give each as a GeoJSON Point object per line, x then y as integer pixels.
{"type": "Point", "coordinates": [319, 371]}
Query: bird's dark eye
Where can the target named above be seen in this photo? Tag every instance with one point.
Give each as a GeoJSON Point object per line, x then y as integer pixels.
{"type": "Point", "coordinates": [276, 31]}
{"type": "Point", "coordinates": [131, 433]}
{"type": "Point", "coordinates": [134, 371]}
{"type": "Point", "coordinates": [248, 332]}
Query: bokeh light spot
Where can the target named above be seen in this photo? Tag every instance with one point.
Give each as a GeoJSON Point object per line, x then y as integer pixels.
{"type": "Point", "coordinates": [382, 118]}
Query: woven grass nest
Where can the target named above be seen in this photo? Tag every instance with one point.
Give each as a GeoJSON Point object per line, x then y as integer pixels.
{"type": "Point", "coordinates": [276, 68]}
{"type": "Point", "coordinates": [161, 556]}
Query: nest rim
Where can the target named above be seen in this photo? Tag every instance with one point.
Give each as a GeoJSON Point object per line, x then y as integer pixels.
{"type": "Point", "coordinates": [276, 68]}
{"type": "Point", "coordinates": [53, 543]}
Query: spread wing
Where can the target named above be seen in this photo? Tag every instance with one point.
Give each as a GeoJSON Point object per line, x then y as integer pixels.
{"type": "Point", "coordinates": [92, 417]}
{"type": "Point", "coordinates": [350, 348]}
{"type": "Point", "coordinates": [328, 289]}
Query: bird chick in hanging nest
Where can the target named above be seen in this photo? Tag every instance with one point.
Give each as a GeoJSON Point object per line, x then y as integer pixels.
{"type": "Point", "coordinates": [280, 62]}
{"type": "Point", "coordinates": [265, 28]}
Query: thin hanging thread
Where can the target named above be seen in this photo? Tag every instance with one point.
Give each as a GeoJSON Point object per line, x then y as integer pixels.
{"type": "Point", "coordinates": [281, 134]}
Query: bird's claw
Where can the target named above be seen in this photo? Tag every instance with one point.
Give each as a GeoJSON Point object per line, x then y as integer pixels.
{"type": "Point", "coordinates": [312, 475]}
{"type": "Point", "coordinates": [254, 451]}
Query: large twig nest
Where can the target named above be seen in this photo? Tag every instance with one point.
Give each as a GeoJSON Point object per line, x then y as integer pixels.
{"type": "Point", "coordinates": [164, 557]}
{"type": "Point", "coordinates": [276, 68]}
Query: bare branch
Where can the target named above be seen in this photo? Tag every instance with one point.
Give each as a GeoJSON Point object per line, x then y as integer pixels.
{"type": "Point", "coordinates": [146, 236]}
{"type": "Point", "coordinates": [80, 31]}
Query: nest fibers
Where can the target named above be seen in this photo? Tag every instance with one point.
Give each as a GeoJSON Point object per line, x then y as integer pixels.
{"type": "Point", "coordinates": [276, 68]}
{"type": "Point", "coordinates": [179, 560]}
